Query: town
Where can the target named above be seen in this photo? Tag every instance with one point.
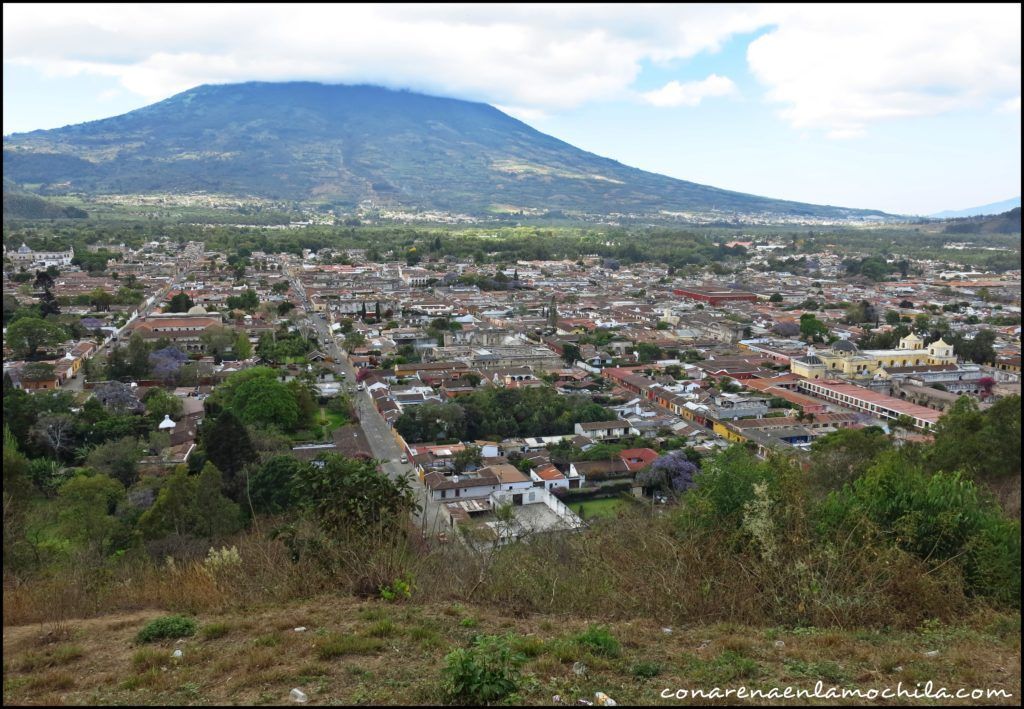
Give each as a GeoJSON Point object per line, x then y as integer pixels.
{"type": "Point", "coordinates": [519, 397]}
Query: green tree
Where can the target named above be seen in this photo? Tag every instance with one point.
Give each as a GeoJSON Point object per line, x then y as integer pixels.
{"type": "Point", "coordinates": [119, 459]}
{"type": "Point", "coordinates": [247, 301]}
{"type": "Point", "coordinates": [216, 516]}
{"type": "Point", "coordinates": [467, 458]}
{"type": "Point", "coordinates": [776, 298]}
{"type": "Point", "coordinates": [812, 329]}
{"type": "Point", "coordinates": [117, 366]}
{"type": "Point", "coordinates": [228, 446]}
{"type": "Point", "coordinates": [648, 352]}
{"type": "Point", "coordinates": [138, 357]}
{"type": "Point", "coordinates": [243, 348]}
{"type": "Point", "coordinates": [179, 303]}
{"type": "Point", "coordinates": [354, 340]}
{"type": "Point", "coordinates": [100, 300]}
{"type": "Point", "coordinates": [217, 340]}
{"type": "Point", "coordinates": [174, 511]}
{"type": "Point", "coordinates": [348, 495]}
{"type": "Point", "coordinates": [271, 485]}
{"type": "Point", "coordinates": [27, 335]}
{"type": "Point", "coordinates": [159, 403]}
{"type": "Point", "coordinates": [266, 401]}
{"type": "Point", "coordinates": [570, 353]}
{"type": "Point", "coordinates": [985, 445]}
{"type": "Point", "coordinates": [86, 512]}
{"type": "Point", "coordinates": [841, 457]}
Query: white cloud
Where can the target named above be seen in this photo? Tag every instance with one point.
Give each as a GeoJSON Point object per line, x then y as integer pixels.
{"type": "Point", "coordinates": [691, 93]}
{"type": "Point", "coordinates": [532, 57]}
{"type": "Point", "coordinates": [1011, 105]}
{"type": "Point", "coordinates": [840, 68]}
{"type": "Point", "coordinates": [830, 68]}
{"type": "Point", "coordinates": [527, 115]}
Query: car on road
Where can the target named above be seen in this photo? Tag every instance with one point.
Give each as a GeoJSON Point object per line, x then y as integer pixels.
{"type": "Point", "coordinates": [404, 458]}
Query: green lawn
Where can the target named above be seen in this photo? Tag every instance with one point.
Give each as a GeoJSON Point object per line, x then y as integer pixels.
{"type": "Point", "coordinates": [331, 421]}
{"type": "Point", "coordinates": [607, 507]}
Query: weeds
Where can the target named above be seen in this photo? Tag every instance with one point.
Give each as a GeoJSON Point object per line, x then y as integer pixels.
{"type": "Point", "coordinates": [599, 640]}
{"type": "Point", "coordinates": [167, 628]}
{"type": "Point", "coordinates": [338, 645]}
{"type": "Point", "coordinates": [148, 659]}
{"type": "Point", "coordinates": [214, 631]}
{"type": "Point", "coordinates": [55, 657]}
{"type": "Point", "coordinates": [486, 672]}
{"type": "Point", "coordinates": [381, 629]}
{"type": "Point", "coordinates": [269, 640]}
{"type": "Point", "coordinates": [646, 670]}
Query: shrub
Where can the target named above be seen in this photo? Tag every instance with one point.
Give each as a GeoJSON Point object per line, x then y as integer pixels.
{"type": "Point", "coordinates": [399, 590]}
{"type": "Point", "coordinates": [599, 640]}
{"type": "Point", "coordinates": [939, 518]}
{"type": "Point", "coordinates": [168, 627]}
{"type": "Point", "coordinates": [484, 673]}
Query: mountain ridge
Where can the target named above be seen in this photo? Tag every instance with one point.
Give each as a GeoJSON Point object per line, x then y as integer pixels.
{"type": "Point", "coordinates": [343, 145]}
{"type": "Point", "coordinates": [991, 209]}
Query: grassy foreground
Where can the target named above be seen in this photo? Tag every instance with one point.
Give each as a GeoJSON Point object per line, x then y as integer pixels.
{"type": "Point", "coordinates": [359, 651]}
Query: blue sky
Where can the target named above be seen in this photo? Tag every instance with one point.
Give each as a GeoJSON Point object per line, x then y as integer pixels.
{"type": "Point", "coordinates": [900, 108]}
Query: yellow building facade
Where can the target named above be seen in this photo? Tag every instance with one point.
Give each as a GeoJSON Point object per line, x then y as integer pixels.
{"type": "Point", "coordinates": [845, 359]}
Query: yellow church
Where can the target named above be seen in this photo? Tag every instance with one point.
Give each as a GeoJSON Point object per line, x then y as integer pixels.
{"type": "Point", "coordinates": [845, 359]}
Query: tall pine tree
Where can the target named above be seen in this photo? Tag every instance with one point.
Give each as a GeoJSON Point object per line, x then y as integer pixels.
{"type": "Point", "coordinates": [228, 446]}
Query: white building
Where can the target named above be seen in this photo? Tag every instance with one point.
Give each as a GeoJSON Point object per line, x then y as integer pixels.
{"type": "Point", "coordinates": [28, 258]}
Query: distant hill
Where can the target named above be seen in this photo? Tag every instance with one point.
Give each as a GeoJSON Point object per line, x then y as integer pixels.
{"type": "Point", "coordinates": [341, 145]}
{"type": "Point", "coordinates": [1006, 223]}
{"type": "Point", "coordinates": [994, 208]}
{"type": "Point", "coordinates": [19, 205]}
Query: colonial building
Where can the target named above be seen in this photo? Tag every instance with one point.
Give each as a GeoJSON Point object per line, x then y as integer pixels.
{"type": "Point", "coordinates": [26, 257]}
{"type": "Point", "coordinates": [845, 359]}
{"type": "Point", "coordinates": [184, 331]}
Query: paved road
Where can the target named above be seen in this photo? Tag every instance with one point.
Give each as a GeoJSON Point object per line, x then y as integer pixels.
{"type": "Point", "coordinates": [379, 434]}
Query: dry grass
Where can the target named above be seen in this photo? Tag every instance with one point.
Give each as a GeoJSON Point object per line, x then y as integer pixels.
{"type": "Point", "coordinates": [338, 661]}
{"type": "Point", "coordinates": [845, 615]}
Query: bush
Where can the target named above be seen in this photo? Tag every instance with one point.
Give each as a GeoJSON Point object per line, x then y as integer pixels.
{"type": "Point", "coordinates": [167, 628]}
{"type": "Point", "coordinates": [484, 673]}
{"type": "Point", "coordinates": [401, 589]}
{"type": "Point", "coordinates": [599, 641]}
{"type": "Point", "coordinates": [939, 518]}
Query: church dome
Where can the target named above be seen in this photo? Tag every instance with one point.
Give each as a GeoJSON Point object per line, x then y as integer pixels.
{"type": "Point", "coordinates": [197, 310]}
{"type": "Point", "coordinates": [843, 346]}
